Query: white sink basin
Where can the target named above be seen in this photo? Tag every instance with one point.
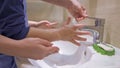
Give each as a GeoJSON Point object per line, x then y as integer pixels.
{"type": "Point", "coordinates": [69, 55]}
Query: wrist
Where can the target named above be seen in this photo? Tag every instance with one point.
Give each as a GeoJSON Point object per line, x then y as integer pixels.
{"type": "Point", "coordinates": [60, 33]}
{"type": "Point", "coordinates": [72, 4]}
{"type": "Point", "coordinates": [9, 47]}
{"type": "Point", "coordinates": [32, 23]}
{"type": "Point", "coordinates": [57, 32]}
{"type": "Point", "coordinates": [68, 4]}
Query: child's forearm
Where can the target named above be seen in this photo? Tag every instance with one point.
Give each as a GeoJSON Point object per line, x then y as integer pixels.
{"type": "Point", "coordinates": [48, 34]}
{"type": "Point", "coordinates": [7, 45]}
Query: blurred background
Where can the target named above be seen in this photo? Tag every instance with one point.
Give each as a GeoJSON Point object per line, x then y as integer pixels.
{"type": "Point", "coordinates": [107, 9]}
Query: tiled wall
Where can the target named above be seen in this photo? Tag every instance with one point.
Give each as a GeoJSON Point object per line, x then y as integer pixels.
{"type": "Point", "coordinates": [39, 10]}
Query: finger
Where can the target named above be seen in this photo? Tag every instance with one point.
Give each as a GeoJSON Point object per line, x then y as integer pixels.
{"type": "Point", "coordinates": [80, 38]}
{"type": "Point", "coordinates": [83, 8]}
{"type": "Point", "coordinates": [82, 14]}
{"type": "Point", "coordinates": [79, 19]}
{"type": "Point", "coordinates": [84, 11]}
{"type": "Point", "coordinates": [43, 22]}
{"type": "Point", "coordinates": [83, 33]}
{"type": "Point", "coordinates": [45, 43]}
{"type": "Point", "coordinates": [79, 15]}
{"type": "Point", "coordinates": [78, 26]}
{"type": "Point", "coordinates": [68, 21]}
{"type": "Point", "coordinates": [53, 25]}
{"type": "Point", "coordinates": [75, 42]}
{"type": "Point", "coordinates": [52, 50]}
{"type": "Point", "coordinates": [85, 14]}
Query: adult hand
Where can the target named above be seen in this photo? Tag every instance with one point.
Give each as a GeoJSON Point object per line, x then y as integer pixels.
{"type": "Point", "coordinates": [77, 10]}
{"type": "Point", "coordinates": [73, 6]}
{"type": "Point", "coordinates": [35, 48]}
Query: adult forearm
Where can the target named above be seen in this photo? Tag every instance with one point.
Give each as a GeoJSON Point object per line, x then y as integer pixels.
{"type": "Point", "coordinates": [48, 34]}
{"type": "Point", "coordinates": [63, 3]}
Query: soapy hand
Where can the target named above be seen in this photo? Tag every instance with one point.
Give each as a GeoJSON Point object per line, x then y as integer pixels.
{"type": "Point", "coordinates": [72, 32]}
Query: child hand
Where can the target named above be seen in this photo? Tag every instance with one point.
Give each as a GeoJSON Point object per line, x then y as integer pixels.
{"type": "Point", "coordinates": [44, 24]}
{"type": "Point", "coordinates": [72, 32]}
{"type": "Point", "coordinates": [34, 48]}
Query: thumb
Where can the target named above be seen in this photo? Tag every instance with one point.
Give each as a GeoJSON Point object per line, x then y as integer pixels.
{"type": "Point", "coordinates": [68, 21]}
{"type": "Point", "coordinates": [52, 50]}
{"type": "Point", "coordinates": [44, 22]}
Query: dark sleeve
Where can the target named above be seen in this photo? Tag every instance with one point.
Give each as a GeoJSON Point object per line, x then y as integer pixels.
{"type": "Point", "coordinates": [12, 18]}
{"type": "Point", "coordinates": [0, 31]}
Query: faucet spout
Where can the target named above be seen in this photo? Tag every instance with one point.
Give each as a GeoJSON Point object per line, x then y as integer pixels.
{"type": "Point", "coordinates": [97, 29]}
{"type": "Point", "coordinates": [99, 26]}
{"type": "Point", "coordinates": [95, 34]}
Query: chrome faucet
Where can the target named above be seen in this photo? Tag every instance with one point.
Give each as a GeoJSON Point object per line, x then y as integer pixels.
{"type": "Point", "coordinates": [97, 29]}
{"type": "Point", "coordinates": [95, 34]}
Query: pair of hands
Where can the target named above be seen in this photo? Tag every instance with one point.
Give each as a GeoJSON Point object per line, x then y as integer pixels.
{"type": "Point", "coordinates": [65, 32]}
